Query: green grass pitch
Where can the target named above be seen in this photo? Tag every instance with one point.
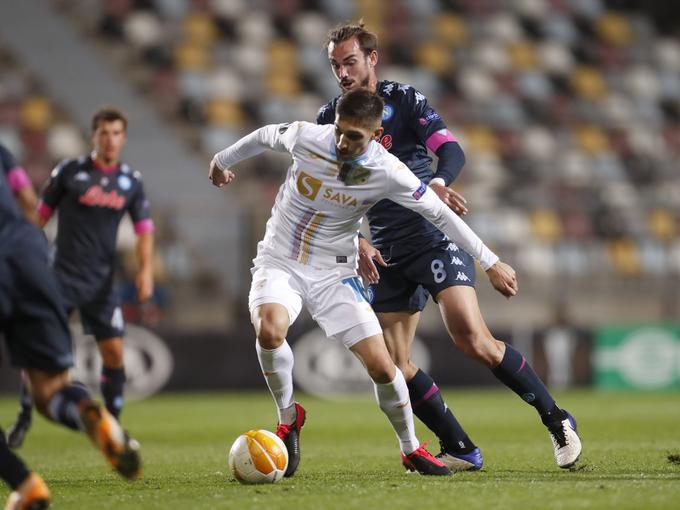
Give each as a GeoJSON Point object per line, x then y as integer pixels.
{"type": "Point", "coordinates": [631, 456]}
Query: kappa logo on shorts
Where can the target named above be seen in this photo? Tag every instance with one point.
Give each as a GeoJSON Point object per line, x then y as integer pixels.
{"type": "Point", "coordinates": [308, 186]}
{"type": "Point", "coordinates": [456, 261]}
{"type": "Point", "coordinates": [462, 277]}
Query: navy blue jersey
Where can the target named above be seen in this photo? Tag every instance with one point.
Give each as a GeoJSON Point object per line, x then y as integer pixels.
{"type": "Point", "coordinates": [11, 219]}
{"type": "Point", "coordinates": [91, 203]}
{"type": "Point", "coordinates": [409, 124]}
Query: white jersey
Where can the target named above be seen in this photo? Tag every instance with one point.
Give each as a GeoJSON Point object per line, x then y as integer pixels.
{"type": "Point", "coordinates": [316, 217]}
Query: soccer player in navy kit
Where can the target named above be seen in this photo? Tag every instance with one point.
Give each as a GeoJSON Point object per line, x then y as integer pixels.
{"type": "Point", "coordinates": [415, 260]}
{"type": "Point", "coordinates": [92, 194]}
{"type": "Point", "coordinates": [35, 327]}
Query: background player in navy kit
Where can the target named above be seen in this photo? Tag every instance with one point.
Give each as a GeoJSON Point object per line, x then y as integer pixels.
{"type": "Point", "coordinates": [423, 262]}
{"type": "Point", "coordinates": [34, 324]}
{"type": "Point", "coordinates": [20, 185]}
{"type": "Point", "coordinates": [92, 194]}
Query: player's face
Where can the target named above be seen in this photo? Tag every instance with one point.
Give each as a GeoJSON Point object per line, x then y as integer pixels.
{"type": "Point", "coordinates": [352, 137]}
{"type": "Point", "coordinates": [108, 141]}
{"type": "Point", "coordinates": [350, 66]}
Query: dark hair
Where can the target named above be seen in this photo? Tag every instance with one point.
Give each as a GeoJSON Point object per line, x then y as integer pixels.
{"type": "Point", "coordinates": [361, 104]}
{"type": "Point", "coordinates": [108, 114]}
{"type": "Point", "coordinates": [368, 41]}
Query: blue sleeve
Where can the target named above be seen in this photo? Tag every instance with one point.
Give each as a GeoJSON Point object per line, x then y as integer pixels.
{"type": "Point", "coordinates": [451, 161]}
{"type": "Point", "coordinates": [139, 205]}
{"type": "Point", "coordinates": [54, 189]}
{"type": "Point", "coordinates": [7, 160]}
{"type": "Point", "coordinates": [433, 134]}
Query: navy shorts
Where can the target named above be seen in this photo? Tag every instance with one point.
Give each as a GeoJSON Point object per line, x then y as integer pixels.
{"type": "Point", "coordinates": [99, 308]}
{"type": "Point", "coordinates": [416, 272]}
{"type": "Point", "coordinates": [32, 317]}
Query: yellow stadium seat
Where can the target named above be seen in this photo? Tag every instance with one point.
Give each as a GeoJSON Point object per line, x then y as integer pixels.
{"type": "Point", "coordinates": [662, 224]}
{"type": "Point", "coordinates": [199, 28]}
{"type": "Point", "coordinates": [591, 139]}
{"type": "Point", "coordinates": [192, 57]}
{"type": "Point", "coordinates": [283, 84]}
{"type": "Point", "coordinates": [588, 82]}
{"type": "Point", "coordinates": [624, 257]}
{"type": "Point", "coordinates": [450, 29]}
{"type": "Point", "coordinates": [522, 56]}
{"type": "Point", "coordinates": [546, 225]}
{"type": "Point", "coordinates": [282, 54]}
{"type": "Point", "coordinates": [482, 140]}
{"type": "Point", "coordinates": [36, 113]}
{"type": "Point", "coordinates": [435, 56]}
{"type": "Point", "coordinates": [221, 112]}
{"type": "Point", "coordinates": [614, 29]}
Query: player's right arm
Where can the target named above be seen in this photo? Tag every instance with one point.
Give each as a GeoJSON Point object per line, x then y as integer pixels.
{"type": "Point", "coordinates": [52, 194]}
{"type": "Point", "coordinates": [279, 137]}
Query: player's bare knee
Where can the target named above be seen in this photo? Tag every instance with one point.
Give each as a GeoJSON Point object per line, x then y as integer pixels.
{"type": "Point", "coordinates": [44, 385]}
{"type": "Point", "coordinates": [479, 347]}
{"type": "Point", "coordinates": [111, 352]}
{"type": "Point", "coordinates": [270, 335]}
{"type": "Point", "coordinates": [381, 371]}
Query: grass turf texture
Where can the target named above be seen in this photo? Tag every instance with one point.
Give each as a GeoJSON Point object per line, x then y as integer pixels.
{"type": "Point", "coordinates": [351, 461]}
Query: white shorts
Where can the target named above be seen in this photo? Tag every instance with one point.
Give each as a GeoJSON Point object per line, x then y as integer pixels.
{"type": "Point", "coordinates": [334, 297]}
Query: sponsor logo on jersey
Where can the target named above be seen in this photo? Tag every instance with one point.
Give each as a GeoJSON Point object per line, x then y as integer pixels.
{"type": "Point", "coordinates": [96, 196]}
{"type": "Point", "coordinates": [308, 186]}
{"type": "Point", "coordinates": [124, 182]}
{"type": "Point", "coordinates": [417, 194]}
{"type": "Point", "coordinates": [340, 198]}
{"type": "Point", "coordinates": [388, 111]}
{"type": "Point", "coordinates": [386, 141]}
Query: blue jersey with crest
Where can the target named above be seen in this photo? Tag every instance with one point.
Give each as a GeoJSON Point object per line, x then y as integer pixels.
{"type": "Point", "coordinates": [408, 121]}
{"type": "Point", "coordinates": [91, 203]}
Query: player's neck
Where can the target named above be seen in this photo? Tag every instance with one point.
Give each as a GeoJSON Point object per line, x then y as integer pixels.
{"type": "Point", "coordinates": [372, 82]}
{"type": "Point", "coordinates": [105, 165]}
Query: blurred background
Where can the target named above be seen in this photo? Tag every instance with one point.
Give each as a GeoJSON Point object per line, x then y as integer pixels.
{"type": "Point", "coordinates": [568, 112]}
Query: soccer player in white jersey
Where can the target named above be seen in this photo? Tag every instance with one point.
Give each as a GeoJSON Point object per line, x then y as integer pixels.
{"type": "Point", "coordinates": [309, 255]}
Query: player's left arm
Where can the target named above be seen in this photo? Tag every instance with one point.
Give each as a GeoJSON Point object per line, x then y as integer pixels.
{"type": "Point", "coordinates": [436, 136]}
{"type": "Point", "coordinates": [144, 228]}
{"type": "Point", "coordinates": [21, 186]}
{"type": "Point", "coordinates": [407, 190]}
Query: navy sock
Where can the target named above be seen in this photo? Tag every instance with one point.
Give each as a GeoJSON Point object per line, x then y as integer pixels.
{"type": "Point", "coordinates": [25, 401]}
{"type": "Point", "coordinates": [12, 468]}
{"type": "Point", "coordinates": [112, 383]}
{"type": "Point", "coordinates": [517, 374]}
{"type": "Point", "coordinates": [64, 406]}
{"type": "Point", "coordinates": [430, 408]}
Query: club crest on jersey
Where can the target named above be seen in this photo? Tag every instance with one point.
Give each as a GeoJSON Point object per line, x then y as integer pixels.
{"type": "Point", "coordinates": [96, 196]}
{"type": "Point", "coordinates": [124, 182]}
{"type": "Point", "coordinates": [420, 191]}
{"type": "Point", "coordinates": [308, 186]}
{"type": "Point", "coordinates": [388, 111]}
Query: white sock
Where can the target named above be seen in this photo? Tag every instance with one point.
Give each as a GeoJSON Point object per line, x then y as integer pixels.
{"type": "Point", "coordinates": [394, 401]}
{"type": "Point", "coordinates": [277, 368]}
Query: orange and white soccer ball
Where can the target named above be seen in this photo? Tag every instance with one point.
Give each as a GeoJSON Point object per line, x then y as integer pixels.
{"type": "Point", "coordinates": [258, 456]}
